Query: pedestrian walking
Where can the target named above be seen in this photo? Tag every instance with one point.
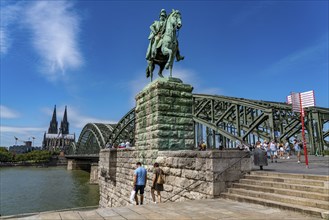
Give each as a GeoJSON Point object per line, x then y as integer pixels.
{"type": "Point", "coordinates": [139, 182]}
{"type": "Point", "coordinates": [273, 150]}
{"type": "Point", "coordinates": [260, 157]}
{"type": "Point", "coordinates": [157, 182]}
{"type": "Point", "coordinates": [288, 149]}
{"type": "Point", "coordinates": [297, 149]}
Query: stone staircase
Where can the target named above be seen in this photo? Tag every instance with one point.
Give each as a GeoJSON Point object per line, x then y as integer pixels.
{"type": "Point", "coordinates": [308, 194]}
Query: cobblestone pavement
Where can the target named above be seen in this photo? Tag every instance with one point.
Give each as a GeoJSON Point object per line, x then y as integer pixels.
{"type": "Point", "coordinates": [196, 209]}
{"type": "Point", "coordinates": [199, 209]}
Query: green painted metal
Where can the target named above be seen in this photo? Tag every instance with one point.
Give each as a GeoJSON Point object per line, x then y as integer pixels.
{"type": "Point", "coordinates": [227, 118]}
{"type": "Point", "coordinates": [125, 130]}
{"type": "Point", "coordinates": [92, 138]}
{"type": "Point", "coordinates": [245, 120]}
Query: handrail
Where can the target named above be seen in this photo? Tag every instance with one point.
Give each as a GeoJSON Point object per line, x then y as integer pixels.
{"type": "Point", "coordinates": [228, 167]}
{"type": "Point", "coordinates": [185, 188]}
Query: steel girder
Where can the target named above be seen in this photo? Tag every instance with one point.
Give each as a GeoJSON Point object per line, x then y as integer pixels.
{"type": "Point", "coordinates": [231, 118]}
{"type": "Point", "coordinates": [125, 130]}
{"type": "Point", "coordinates": [93, 138]}
{"type": "Point", "coordinates": [250, 120]}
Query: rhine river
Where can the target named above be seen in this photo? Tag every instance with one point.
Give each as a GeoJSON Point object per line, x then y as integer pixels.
{"type": "Point", "coordinates": [30, 189]}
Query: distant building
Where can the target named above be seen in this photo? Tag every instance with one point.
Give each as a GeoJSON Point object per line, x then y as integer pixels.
{"type": "Point", "coordinates": [21, 149]}
{"type": "Point", "coordinates": [58, 139]}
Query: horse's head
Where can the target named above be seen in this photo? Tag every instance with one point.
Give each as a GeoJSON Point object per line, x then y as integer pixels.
{"type": "Point", "coordinates": [175, 19]}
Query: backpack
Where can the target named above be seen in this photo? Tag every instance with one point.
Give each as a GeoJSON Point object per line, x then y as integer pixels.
{"type": "Point", "coordinates": [161, 178]}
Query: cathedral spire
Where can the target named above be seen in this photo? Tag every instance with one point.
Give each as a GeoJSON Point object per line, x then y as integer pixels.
{"type": "Point", "coordinates": [53, 123]}
{"type": "Point", "coordinates": [65, 123]}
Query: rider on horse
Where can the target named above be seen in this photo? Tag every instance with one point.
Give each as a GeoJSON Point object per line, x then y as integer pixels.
{"type": "Point", "coordinates": [157, 28]}
{"type": "Point", "coordinates": [156, 52]}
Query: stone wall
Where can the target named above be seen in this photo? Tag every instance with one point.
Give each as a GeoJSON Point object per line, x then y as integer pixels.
{"type": "Point", "coordinates": [165, 134]}
{"type": "Point", "coordinates": [116, 167]}
{"type": "Point", "coordinates": [189, 174]}
{"type": "Point", "coordinates": [201, 174]}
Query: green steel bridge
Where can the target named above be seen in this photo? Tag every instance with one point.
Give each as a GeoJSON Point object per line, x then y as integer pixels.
{"type": "Point", "coordinates": [222, 120]}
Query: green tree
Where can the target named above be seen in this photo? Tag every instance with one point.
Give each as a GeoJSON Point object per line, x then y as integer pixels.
{"type": "Point", "coordinates": [5, 155]}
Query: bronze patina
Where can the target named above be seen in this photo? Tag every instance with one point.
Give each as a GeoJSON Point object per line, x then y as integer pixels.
{"type": "Point", "coordinates": [163, 46]}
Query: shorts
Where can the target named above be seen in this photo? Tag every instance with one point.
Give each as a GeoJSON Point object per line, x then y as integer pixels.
{"type": "Point", "coordinates": [273, 153]}
{"type": "Point", "coordinates": [139, 188]}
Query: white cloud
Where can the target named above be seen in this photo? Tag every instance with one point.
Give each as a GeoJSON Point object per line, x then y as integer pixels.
{"type": "Point", "coordinates": [8, 134]}
{"type": "Point", "coordinates": [3, 41]}
{"type": "Point", "coordinates": [55, 28]}
{"type": "Point", "coordinates": [312, 55]}
{"type": "Point", "coordinates": [6, 112]}
{"type": "Point", "coordinates": [9, 14]}
{"type": "Point", "coordinates": [20, 130]}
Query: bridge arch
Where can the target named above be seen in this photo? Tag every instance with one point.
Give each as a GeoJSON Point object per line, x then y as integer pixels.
{"type": "Point", "coordinates": [124, 130]}
{"type": "Point", "coordinates": [93, 138]}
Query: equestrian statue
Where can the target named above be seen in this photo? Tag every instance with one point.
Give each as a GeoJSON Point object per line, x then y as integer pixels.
{"type": "Point", "coordinates": [163, 45]}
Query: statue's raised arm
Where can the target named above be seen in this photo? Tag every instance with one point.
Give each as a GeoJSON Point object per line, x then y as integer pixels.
{"type": "Point", "coordinates": [163, 45]}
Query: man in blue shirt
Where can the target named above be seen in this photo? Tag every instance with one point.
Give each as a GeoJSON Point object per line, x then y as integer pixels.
{"type": "Point", "coordinates": [140, 178]}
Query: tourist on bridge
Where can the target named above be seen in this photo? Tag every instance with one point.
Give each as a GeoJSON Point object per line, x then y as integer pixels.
{"type": "Point", "coordinates": [288, 148]}
{"type": "Point", "coordinates": [156, 184]}
{"type": "Point", "coordinates": [281, 150]}
{"type": "Point", "coordinates": [139, 182]}
{"type": "Point", "coordinates": [273, 150]}
{"type": "Point", "coordinates": [260, 158]}
{"type": "Point", "coordinates": [297, 147]}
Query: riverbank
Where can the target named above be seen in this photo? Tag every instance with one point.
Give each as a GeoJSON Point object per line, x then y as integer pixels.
{"type": "Point", "coordinates": [54, 161]}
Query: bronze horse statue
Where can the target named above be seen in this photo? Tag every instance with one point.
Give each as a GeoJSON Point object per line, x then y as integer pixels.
{"type": "Point", "coordinates": [167, 48]}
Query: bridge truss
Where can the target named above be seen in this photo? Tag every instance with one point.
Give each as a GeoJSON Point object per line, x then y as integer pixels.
{"type": "Point", "coordinates": [95, 136]}
{"type": "Point", "coordinates": [230, 119]}
{"type": "Point", "coordinates": [222, 120]}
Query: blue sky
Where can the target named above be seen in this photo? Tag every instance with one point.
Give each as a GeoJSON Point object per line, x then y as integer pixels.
{"type": "Point", "coordinates": [90, 56]}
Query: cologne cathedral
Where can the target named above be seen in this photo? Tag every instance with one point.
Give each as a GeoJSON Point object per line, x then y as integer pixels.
{"type": "Point", "coordinates": [58, 139]}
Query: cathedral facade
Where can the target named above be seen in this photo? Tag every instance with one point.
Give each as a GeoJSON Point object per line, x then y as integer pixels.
{"type": "Point", "coordinates": [58, 139]}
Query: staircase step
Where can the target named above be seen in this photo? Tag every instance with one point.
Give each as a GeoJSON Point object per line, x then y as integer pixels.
{"type": "Point", "coordinates": [287, 192]}
{"type": "Point", "coordinates": [292, 207]}
{"type": "Point", "coordinates": [286, 180]}
{"type": "Point", "coordinates": [291, 175]}
{"type": "Point", "coordinates": [282, 198]}
{"type": "Point", "coordinates": [282, 185]}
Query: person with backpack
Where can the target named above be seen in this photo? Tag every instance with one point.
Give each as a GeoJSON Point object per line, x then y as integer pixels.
{"type": "Point", "coordinates": [157, 182]}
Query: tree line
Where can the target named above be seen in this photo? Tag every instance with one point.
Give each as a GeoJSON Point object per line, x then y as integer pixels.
{"type": "Point", "coordinates": [37, 156]}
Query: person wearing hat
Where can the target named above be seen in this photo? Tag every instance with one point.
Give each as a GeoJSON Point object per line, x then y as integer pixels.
{"type": "Point", "coordinates": [157, 28]}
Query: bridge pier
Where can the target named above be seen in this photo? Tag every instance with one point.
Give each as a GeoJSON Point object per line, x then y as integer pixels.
{"type": "Point", "coordinates": [94, 173]}
{"type": "Point", "coordinates": [74, 164]}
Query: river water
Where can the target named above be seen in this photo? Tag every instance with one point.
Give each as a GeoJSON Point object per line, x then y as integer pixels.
{"type": "Point", "coordinates": [30, 189]}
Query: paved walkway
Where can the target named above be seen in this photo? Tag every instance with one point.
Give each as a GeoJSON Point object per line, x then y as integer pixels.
{"type": "Point", "coordinates": [317, 165]}
{"type": "Point", "coordinates": [199, 209]}
{"type": "Point", "coordinates": [196, 209]}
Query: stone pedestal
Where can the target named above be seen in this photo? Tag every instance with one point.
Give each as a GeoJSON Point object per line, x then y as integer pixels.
{"type": "Point", "coordinates": [164, 133]}
{"type": "Point", "coordinates": [164, 116]}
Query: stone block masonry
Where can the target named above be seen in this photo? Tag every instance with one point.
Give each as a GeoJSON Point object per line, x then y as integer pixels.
{"type": "Point", "coordinates": [164, 116]}
{"type": "Point", "coordinates": [164, 133]}
{"type": "Point", "coordinates": [189, 174]}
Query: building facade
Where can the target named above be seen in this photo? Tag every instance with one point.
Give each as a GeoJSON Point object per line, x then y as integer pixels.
{"type": "Point", "coordinates": [58, 139]}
